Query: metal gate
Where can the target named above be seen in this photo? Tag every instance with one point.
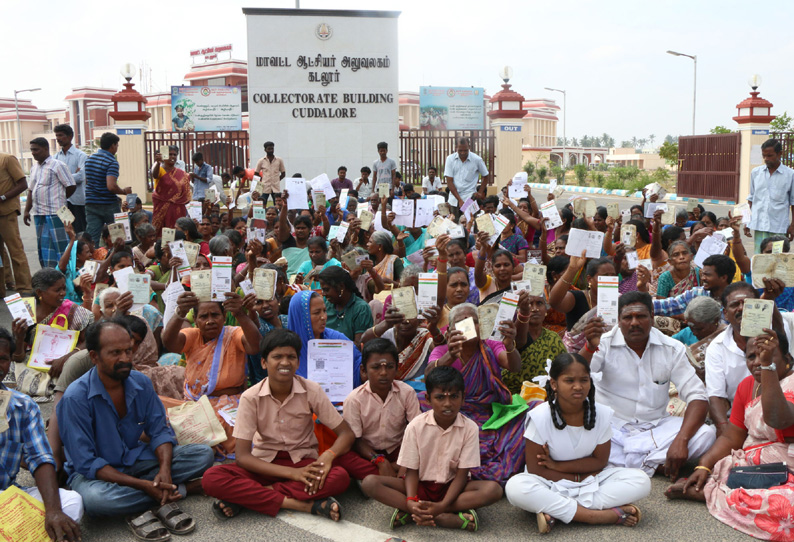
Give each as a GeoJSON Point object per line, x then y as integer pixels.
{"type": "Point", "coordinates": [420, 149]}
{"type": "Point", "coordinates": [787, 141]}
{"type": "Point", "coordinates": [708, 166]}
{"type": "Point", "coordinates": [221, 150]}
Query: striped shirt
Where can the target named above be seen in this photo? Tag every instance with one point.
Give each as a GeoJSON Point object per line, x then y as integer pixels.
{"type": "Point", "coordinates": [98, 168]}
{"type": "Point", "coordinates": [48, 186]}
{"type": "Point", "coordinates": [673, 306]}
{"type": "Point", "coordinates": [25, 437]}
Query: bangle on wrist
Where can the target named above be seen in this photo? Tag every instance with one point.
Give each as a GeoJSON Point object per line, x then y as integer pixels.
{"type": "Point", "coordinates": [375, 332]}
{"type": "Point", "coordinates": [332, 452]}
{"type": "Point", "coordinates": [587, 347]}
{"type": "Point", "coordinates": [415, 498]}
{"type": "Point", "coordinates": [512, 349]}
{"type": "Point", "coordinates": [702, 467]}
{"type": "Point", "coordinates": [566, 282]}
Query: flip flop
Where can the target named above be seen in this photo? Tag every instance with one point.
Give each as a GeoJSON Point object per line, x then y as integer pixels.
{"type": "Point", "coordinates": [220, 514]}
{"type": "Point", "coordinates": [175, 520]}
{"type": "Point", "coordinates": [545, 526]}
{"type": "Point", "coordinates": [466, 522]}
{"type": "Point", "coordinates": [623, 516]}
{"type": "Point", "coordinates": [148, 527]}
{"type": "Point", "coordinates": [397, 521]}
{"type": "Point", "coordinates": [323, 508]}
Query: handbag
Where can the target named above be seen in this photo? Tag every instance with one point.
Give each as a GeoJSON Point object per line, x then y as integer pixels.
{"type": "Point", "coordinates": [758, 476]}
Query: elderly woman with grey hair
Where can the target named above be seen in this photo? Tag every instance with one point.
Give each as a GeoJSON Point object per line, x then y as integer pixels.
{"type": "Point", "coordinates": [703, 316]}
{"type": "Point", "coordinates": [146, 235]}
{"type": "Point", "coordinates": [682, 276]}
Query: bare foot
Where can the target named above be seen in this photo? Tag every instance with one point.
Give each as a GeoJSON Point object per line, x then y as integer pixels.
{"type": "Point", "coordinates": [230, 513]}
{"type": "Point", "coordinates": [632, 520]}
{"type": "Point", "coordinates": [193, 487]}
{"type": "Point", "coordinates": [335, 512]}
{"type": "Point", "coordinates": [453, 521]}
{"type": "Point", "coordinates": [676, 490]}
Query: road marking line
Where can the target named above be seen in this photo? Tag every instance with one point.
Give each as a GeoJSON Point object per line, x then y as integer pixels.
{"type": "Point", "coordinates": [341, 531]}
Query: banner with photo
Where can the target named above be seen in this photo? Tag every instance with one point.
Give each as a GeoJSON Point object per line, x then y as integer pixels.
{"type": "Point", "coordinates": [451, 108]}
{"type": "Point", "coordinates": [206, 109]}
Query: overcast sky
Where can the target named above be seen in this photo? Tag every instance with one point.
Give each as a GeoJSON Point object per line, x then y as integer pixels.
{"type": "Point", "coordinates": [609, 56]}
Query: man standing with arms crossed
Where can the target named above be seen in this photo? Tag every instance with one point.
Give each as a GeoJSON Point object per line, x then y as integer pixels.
{"type": "Point", "coordinates": [101, 186]}
{"type": "Point", "coordinates": [462, 170]}
{"type": "Point", "coordinates": [771, 196]}
{"type": "Point", "coordinates": [12, 184]}
{"type": "Point", "coordinates": [74, 159]}
{"type": "Point", "coordinates": [271, 170]}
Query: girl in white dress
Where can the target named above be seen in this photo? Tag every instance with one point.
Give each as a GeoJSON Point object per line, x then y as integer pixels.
{"type": "Point", "coordinates": [567, 449]}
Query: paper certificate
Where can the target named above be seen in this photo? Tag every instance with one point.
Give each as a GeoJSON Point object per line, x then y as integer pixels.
{"type": "Point", "coordinates": [773, 266]}
{"type": "Point", "coordinates": [405, 300]}
{"type": "Point", "coordinates": [756, 316]}
{"type": "Point", "coordinates": [178, 251]}
{"type": "Point", "coordinates": [117, 231]}
{"type": "Point", "coordinates": [536, 274]}
{"type": "Point", "coordinates": [484, 223]}
{"type": "Point", "coordinates": [296, 190]}
{"type": "Point", "coordinates": [651, 208]}
{"type": "Point", "coordinates": [366, 219]}
{"type": "Point", "coordinates": [613, 210]}
{"type": "Point", "coordinates": [169, 235]}
{"type": "Point", "coordinates": [383, 190]}
{"type": "Point", "coordinates": [247, 287]}
{"type": "Point", "coordinates": [343, 198]}
{"type": "Point", "coordinates": [265, 283]}
{"type": "Point", "coordinates": [507, 310]}
{"type": "Point", "coordinates": [583, 207]}
{"type": "Point", "coordinates": [777, 247]}
{"type": "Point", "coordinates": [65, 215]}
{"type": "Point", "coordinates": [469, 208]}
{"type": "Point", "coordinates": [466, 326]}
{"type": "Point", "coordinates": [709, 246]}
{"type": "Point", "coordinates": [194, 210]}
{"type": "Point", "coordinates": [50, 343]}
{"type": "Point", "coordinates": [353, 260]}
{"type": "Point", "coordinates": [341, 232]}
{"type": "Point", "coordinates": [20, 309]}
{"type": "Point", "coordinates": [90, 268]}
{"type": "Point", "coordinates": [323, 184]}
{"type": "Point", "coordinates": [330, 364]}
{"type": "Point", "coordinates": [201, 285]}
{"type": "Point", "coordinates": [138, 286]}
{"type": "Point", "coordinates": [549, 210]}
{"type": "Point", "coordinates": [170, 295]}
{"type": "Point", "coordinates": [628, 235]}
{"type": "Point", "coordinates": [437, 227]}
{"type": "Point", "coordinates": [521, 285]}
{"type": "Point", "coordinates": [581, 240]}
{"type": "Point", "coordinates": [444, 209]}
{"type": "Point", "coordinates": [608, 299]}
{"type": "Point", "coordinates": [632, 260]}
{"type": "Point", "coordinates": [192, 251]}
{"type": "Point", "coordinates": [743, 211]}
{"type": "Point", "coordinates": [259, 213]}
{"type": "Point", "coordinates": [691, 204]}
{"type": "Point", "coordinates": [516, 189]}
{"type": "Point", "coordinates": [122, 276]}
{"type": "Point", "coordinates": [21, 517]}
{"type": "Point", "coordinates": [424, 212]}
{"type": "Point", "coordinates": [221, 277]}
{"type": "Point", "coordinates": [456, 232]}
{"type": "Point", "coordinates": [428, 291]}
{"type": "Point", "coordinates": [319, 199]}
{"type": "Point", "coordinates": [124, 219]}
{"type": "Point", "coordinates": [5, 399]}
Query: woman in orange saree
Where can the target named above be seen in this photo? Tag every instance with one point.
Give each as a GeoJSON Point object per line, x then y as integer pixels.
{"type": "Point", "coordinates": [215, 354]}
{"type": "Point", "coordinates": [171, 191]}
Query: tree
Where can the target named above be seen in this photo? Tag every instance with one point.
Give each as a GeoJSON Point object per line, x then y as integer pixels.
{"type": "Point", "coordinates": [607, 140]}
{"type": "Point", "coordinates": [670, 139]}
{"type": "Point", "coordinates": [558, 173]}
{"type": "Point", "coordinates": [529, 167]}
{"type": "Point", "coordinates": [720, 130]}
{"type": "Point", "coordinates": [574, 142]}
{"type": "Point", "coordinates": [781, 123]}
{"type": "Point", "coordinates": [580, 170]}
{"type": "Point", "coordinates": [541, 173]}
{"type": "Point", "coordinates": [625, 144]}
{"type": "Point", "coordinates": [634, 142]}
{"type": "Point", "coordinates": [669, 151]}
{"type": "Point", "coordinates": [651, 138]}
{"type": "Point", "coordinates": [642, 142]}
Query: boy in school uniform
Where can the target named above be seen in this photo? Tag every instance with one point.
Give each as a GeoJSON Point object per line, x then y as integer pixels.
{"type": "Point", "coordinates": [439, 448]}
{"type": "Point", "coordinates": [378, 412]}
{"type": "Point", "coordinates": [277, 464]}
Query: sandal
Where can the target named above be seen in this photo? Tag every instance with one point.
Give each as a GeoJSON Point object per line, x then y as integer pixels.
{"type": "Point", "coordinates": [397, 521]}
{"type": "Point", "coordinates": [220, 514]}
{"type": "Point", "coordinates": [175, 520]}
{"type": "Point", "coordinates": [623, 516]}
{"type": "Point", "coordinates": [323, 508]}
{"type": "Point", "coordinates": [544, 525]}
{"type": "Point", "coordinates": [147, 527]}
{"type": "Point", "coordinates": [466, 522]}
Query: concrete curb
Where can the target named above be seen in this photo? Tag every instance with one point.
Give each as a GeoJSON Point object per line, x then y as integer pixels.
{"type": "Point", "coordinates": [627, 193]}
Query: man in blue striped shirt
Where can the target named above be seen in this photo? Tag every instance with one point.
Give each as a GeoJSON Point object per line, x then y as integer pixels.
{"type": "Point", "coordinates": [24, 438]}
{"type": "Point", "coordinates": [101, 186]}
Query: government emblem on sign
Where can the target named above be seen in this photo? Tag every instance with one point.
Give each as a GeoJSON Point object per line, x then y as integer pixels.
{"type": "Point", "coordinates": [323, 31]}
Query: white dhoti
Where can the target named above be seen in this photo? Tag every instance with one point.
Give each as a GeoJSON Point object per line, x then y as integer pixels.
{"type": "Point", "coordinates": [71, 501]}
{"type": "Point", "coordinates": [609, 488]}
{"type": "Point", "coordinates": [645, 445]}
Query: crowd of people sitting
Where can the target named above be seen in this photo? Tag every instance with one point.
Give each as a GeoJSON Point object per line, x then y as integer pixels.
{"type": "Point", "coordinates": [565, 413]}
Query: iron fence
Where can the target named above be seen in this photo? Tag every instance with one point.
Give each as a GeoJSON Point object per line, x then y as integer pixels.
{"type": "Point", "coordinates": [420, 149]}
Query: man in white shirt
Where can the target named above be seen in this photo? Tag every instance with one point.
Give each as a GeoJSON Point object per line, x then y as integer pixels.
{"type": "Point", "coordinates": [771, 196]}
{"type": "Point", "coordinates": [74, 159]}
{"type": "Point", "coordinates": [431, 182]}
{"type": "Point", "coordinates": [636, 364]}
{"type": "Point", "coordinates": [462, 170]}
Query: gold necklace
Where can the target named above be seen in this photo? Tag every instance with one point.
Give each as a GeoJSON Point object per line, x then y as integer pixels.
{"type": "Point", "coordinates": [757, 388]}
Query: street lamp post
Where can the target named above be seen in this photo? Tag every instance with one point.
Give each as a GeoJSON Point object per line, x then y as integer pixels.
{"type": "Point", "coordinates": [564, 121]}
{"type": "Point", "coordinates": [694, 86]}
{"type": "Point", "coordinates": [19, 125]}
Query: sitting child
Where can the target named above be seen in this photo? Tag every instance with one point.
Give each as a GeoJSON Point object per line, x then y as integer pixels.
{"type": "Point", "coordinates": [567, 450]}
{"type": "Point", "coordinates": [277, 464]}
{"type": "Point", "coordinates": [439, 448]}
{"type": "Point", "coordinates": [378, 412]}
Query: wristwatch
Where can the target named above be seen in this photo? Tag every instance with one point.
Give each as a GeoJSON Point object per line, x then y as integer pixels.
{"type": "Point", "coordinates": [3, 197]}
{"type": "Point", "coordinates": [770, 367]}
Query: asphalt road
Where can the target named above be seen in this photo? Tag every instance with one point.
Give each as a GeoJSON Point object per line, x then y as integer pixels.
{"type": "Point", "coordinates": [367, 521]}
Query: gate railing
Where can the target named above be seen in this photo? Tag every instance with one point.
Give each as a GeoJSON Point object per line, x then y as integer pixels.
{"type": "Point", "coordinates": [221, 150]}
{"type": "Point", "coordinates": [787, 140]}
{"type": "Point", "coordinates": [709, 166]}
{"type": "Point", "coordinates": [420, 149]}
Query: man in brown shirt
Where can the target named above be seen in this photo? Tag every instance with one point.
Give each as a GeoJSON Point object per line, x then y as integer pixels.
{"type": "Point", "coordinates": [12, 184]}
{"type": "Point", "coordinates": [270, 169]}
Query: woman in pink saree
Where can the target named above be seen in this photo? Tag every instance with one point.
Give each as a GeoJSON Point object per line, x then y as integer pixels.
{"type": "Point", "coordinates": [171, 190]}
{"type": "Point", "coordinates": [760, 432]}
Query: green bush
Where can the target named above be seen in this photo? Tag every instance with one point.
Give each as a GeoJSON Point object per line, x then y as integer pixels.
{"type": "Point", "coordinates": [598, 178]}
{"type": "Point", "coordinates": [613, 184]}
{"type": "Point", "coordinates": [580, 170]}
